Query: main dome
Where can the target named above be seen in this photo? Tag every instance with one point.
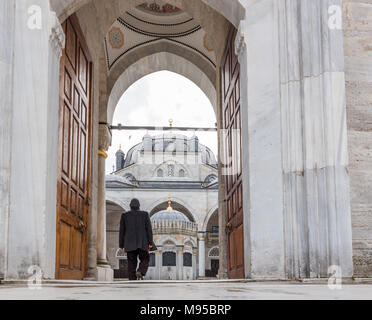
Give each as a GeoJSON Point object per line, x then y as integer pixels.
{"type": "Point", "coordinates": [169, 215]}
{"type": "Point", "coordinates": [170, 143]}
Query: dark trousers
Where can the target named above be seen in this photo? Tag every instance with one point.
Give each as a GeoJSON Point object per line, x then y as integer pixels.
{"type": "Point", "coordinates": [144, 258]}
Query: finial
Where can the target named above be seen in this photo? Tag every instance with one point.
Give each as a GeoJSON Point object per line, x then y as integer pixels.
{"type": "Point", "coordinates": [171, 125]}
{"type": "Point", "coordinates": [169, 203]}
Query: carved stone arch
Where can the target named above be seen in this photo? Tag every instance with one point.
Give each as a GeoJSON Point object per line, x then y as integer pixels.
{"type": "Point", "coordinates": [122, 204]}
{"type": "Point", "coordinates": [119, 82]}
{"type": "Point", "coordinates": [190, 241]}
{"type": "Point", "coordinates": [209, 215]}
{"type": "Point", "coordinates": [169, 240]}
{"type": "Point", "coordinates": [185, 207]}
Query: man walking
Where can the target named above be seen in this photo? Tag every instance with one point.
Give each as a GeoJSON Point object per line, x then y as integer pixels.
{"type": "Point", "coordinates": [135, 237]}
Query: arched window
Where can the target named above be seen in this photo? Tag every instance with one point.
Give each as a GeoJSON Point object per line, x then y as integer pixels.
{"type": "Point", "coordinates": [169, 259]}
{"type": "Point", "coordinates": [160, 173]}
{"type": "Point", "coordinates": [187, 259]}
{"type": "Point", "coordinates": [130, 177]}
{"type": "Point", "coordinates": [214, 252]}
{"type": "Point", "coordinates": [182, 173]}
{"type": "Point", "coordinates": [152, 262]}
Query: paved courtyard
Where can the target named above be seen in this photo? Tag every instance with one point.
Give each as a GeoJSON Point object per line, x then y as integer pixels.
{"type": "Point", "coordinates": [185, 291]}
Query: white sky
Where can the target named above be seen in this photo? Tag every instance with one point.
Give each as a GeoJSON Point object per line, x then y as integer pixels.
{"type": "Point", "coordinates": [152, 101]}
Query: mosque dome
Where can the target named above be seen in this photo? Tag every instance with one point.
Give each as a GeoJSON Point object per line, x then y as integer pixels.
{"type": "Point", "coordinates": [169, 215]}
{"type": "Point", "coordinates": [170, 143]}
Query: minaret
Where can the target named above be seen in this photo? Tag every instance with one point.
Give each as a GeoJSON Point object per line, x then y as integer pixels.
{"type": "Point", "coordinates": [120, 157]}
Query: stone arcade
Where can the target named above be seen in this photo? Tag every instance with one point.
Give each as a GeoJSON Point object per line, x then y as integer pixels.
{"type": "Point", "coordinates": [298, 87]}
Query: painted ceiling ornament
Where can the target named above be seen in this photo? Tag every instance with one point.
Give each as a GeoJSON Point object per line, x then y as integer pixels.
{"type": "Point", "coordinates": [207, 43]}
{"type": "Point", "coordinates": [116, 38]}
{"type": "Point", "coordinates": [159, 8]}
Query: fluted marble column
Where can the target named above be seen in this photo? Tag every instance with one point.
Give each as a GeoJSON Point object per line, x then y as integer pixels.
{"type": "Point", "coordinates": [104, 271]}
{"type": "Point", "coordinates": [201, 244]}
{"type": "Point", "coordinates": [296, 198]}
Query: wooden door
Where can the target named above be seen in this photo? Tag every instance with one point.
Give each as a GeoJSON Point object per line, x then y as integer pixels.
{"type": "Point", "coordinates": [74, 155]}
{"type": "Point", "coordinates": [230, 76]}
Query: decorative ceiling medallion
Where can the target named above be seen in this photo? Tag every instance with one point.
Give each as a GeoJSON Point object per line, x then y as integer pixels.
{"type": "Point", "coordinates": [207, 43]}
{"type": "Point", "coordinates": [116, 38]}
{"type": "Point", "coordinates": [159, 8]}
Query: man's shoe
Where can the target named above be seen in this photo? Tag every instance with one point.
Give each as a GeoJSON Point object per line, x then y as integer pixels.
{"type": "Point", "coordinates": [139, 275]}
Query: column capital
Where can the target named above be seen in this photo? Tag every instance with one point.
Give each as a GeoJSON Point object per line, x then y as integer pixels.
{"type": "Point", "coordinates": [104, 141]}
{"type": "Point", "coordinates": [240, 40]}
{"type": "Point", "coordinates": [201, 235]}
{"type": "Point", "coordinates": [57, 36]}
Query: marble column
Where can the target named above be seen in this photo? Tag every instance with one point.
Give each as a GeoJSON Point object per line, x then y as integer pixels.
{"type": "Point", "coordinates": [104, 270]}
{"type": "Point", "coordinates": [201, 243]}
{"type": "Point", "coordinates": [194, 271]}
{"type": "Point", "coordinates": [179, 263]}
{"type": "Point", "coordinates": [37, 39]}
{"type": "Point", "coordinates": [158, 263]}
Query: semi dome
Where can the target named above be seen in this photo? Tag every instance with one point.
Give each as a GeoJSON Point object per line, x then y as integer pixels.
{"type": "Point", "coordinates": [169, 215]}
{"type": "Point", "coordinates": [170, 143]}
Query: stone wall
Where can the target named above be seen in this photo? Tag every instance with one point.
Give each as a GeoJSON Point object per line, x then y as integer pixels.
{"type": "Point", "coordinates": [358, 71]}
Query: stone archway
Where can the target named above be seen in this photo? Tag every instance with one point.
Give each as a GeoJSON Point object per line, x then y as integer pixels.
{"type": "Point", "coordinates": [158, 62]}
{"type": "Point", "coordinates": [296, 182]}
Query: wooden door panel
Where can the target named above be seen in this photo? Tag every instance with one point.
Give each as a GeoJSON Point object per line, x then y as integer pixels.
{"type": "Point", "coordinates": [230, 70]}
{"type": "Point", "coordinates": [74, 150]}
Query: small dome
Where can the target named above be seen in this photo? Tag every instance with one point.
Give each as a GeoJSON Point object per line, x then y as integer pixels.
{"type": "Point", "coordinates": [170, 215]}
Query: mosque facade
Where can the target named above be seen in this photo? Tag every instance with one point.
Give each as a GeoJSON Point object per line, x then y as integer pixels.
{"type": "Point", "coordinates": [175, 179]}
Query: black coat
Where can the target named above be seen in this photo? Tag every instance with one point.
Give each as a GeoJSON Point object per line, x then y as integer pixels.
{"type": "Point", "coordinates": [135, 231]}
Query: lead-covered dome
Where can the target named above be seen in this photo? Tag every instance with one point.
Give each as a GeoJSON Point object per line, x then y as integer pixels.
{"type": "Point", "coordinates": [169, 215]}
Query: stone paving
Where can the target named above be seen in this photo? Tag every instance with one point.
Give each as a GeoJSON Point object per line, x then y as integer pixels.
{"type": "Point", "coordinates": [185, 291]}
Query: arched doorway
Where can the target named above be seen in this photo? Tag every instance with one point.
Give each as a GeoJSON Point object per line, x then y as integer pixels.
{"type": "Point", "coordinates": [121, 62]}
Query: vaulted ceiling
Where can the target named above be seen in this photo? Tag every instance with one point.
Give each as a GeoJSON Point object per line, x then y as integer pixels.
{"type": "Point", "coordinates": [154, 22]}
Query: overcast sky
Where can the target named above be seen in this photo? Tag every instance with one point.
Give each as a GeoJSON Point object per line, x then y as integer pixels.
{"type": "Point", "coordinates": [152, 101]}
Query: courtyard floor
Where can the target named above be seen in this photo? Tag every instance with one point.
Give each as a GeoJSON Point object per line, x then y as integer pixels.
{"type": "Point", "coordinates": [185, 291]}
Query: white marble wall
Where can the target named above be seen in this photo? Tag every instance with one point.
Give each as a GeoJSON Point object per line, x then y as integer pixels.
{"type": "Point", "coordinates": [257, 44]}
{"type": "Point", "coordinates": [34, 134]}
{"type": "Point", "coordinates": [6, 85]}
{"type": "Point", "coordinates": [314, 140]}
